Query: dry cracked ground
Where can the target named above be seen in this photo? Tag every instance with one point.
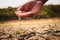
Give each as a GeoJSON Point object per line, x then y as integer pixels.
{"type": "Point", "coordinates": [35, 29]}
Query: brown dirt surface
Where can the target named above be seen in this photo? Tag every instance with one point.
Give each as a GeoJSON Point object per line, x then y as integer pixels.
{"type": "Point", "coordinates": [35, 29]}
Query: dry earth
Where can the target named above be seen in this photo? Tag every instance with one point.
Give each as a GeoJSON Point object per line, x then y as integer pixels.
{"type": "Point", "coordinates": [35, 29]}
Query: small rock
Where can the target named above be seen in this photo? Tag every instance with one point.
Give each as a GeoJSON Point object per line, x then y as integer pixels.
{"type": "Point", "coordinates": [4, 36]}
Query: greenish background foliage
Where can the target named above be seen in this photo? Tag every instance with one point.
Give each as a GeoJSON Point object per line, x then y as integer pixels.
{"type": "Point", "coordinates": [48, 11]}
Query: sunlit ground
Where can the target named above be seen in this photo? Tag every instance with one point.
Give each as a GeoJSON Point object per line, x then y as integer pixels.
{"type": "Point", "coordinates": [51, 26]}
{"type": "Point", "coordinates": [30, 22]}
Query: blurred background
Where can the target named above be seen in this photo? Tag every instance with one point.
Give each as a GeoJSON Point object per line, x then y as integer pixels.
{"type": "Point", "coordinates": [51, 9]}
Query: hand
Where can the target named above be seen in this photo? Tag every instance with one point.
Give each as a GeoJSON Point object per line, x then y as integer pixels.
{"type": "Point", "coordinates": [34, 10]}
{"type": "Point", "coordinates": [22, 14]}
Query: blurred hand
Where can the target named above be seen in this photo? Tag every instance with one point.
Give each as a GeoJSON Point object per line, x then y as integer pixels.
{"type": "Point", "coordinates": [22, 14]}
{"type": "Point", "coordinates": [33, 11]}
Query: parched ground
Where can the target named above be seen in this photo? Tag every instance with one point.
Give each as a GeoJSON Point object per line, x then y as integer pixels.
{"type": "Point", "coordinates": [35, 29]}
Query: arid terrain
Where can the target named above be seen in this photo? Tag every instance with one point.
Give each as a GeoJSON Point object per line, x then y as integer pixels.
{"type": "Point", "coordinates": [34, 29]}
